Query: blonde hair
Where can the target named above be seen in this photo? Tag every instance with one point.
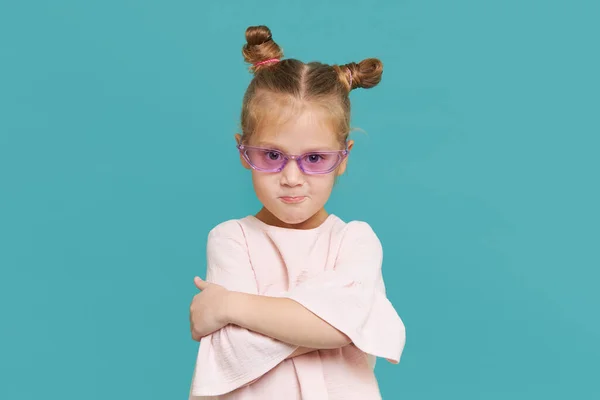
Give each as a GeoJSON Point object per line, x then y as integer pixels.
{"type": "Point", "coordinates": [291, 85]}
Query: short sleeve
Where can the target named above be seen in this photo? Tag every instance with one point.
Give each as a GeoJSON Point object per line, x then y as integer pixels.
{"type": "Point", "coordinates": [233, 356]}
{"type": "Point", "coordinates": [352, 296]}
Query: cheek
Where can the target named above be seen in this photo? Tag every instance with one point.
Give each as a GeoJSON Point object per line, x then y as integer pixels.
{"type": "Point", "coordinates": [321, 186]}
{"type": "Point", "coordinates": [263, 183]}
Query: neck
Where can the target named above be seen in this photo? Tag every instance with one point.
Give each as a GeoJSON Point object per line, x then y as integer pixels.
{"type": "Point", "coordinates": [313, 222]}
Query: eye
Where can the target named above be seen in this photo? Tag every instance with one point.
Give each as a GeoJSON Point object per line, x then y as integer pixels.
{"type": "Point", "coordinates": [273, 155]}
{"type": "Point", "coordinates": [314, 158]}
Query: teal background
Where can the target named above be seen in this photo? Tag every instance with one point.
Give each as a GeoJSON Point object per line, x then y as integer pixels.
{"type": "Point", "coordinates": [478, 170]}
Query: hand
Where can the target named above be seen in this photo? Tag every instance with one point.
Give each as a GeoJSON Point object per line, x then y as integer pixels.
{"type": "Point", "coordinates": [208, 309]}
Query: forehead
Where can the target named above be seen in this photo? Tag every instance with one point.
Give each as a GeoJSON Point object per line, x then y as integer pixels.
{"type": "Point", "coordinates": [308, 129]}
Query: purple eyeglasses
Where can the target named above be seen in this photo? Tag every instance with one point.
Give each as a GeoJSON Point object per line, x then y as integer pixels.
{"type": "Point", "coordinates": [271, 160]}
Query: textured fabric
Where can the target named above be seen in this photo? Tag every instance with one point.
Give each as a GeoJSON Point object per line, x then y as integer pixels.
{"type": "Point", "coordinates": [334, 271]}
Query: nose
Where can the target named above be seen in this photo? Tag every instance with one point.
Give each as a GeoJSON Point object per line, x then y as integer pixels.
{"type": "Point", "coordinates": [292, 175]}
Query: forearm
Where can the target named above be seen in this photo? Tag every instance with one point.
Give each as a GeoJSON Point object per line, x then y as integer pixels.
{"type": "Point", "coordinates": [283, 319]}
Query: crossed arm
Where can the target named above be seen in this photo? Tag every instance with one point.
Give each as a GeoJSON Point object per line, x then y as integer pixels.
{"type": "Point", "coordinates": [245, 335]}
{"type": "Point", "coordinates": [230, 296]}
{"type": "Point", "coordinates": [285, 320]}
{"type": "Point", "coordinates": [282, 319]}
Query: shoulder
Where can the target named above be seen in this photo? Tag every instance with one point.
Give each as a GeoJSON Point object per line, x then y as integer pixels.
{"type": "Point", "coordinates": [360, 249]}
{"type": "Point", "coordinates": [360, 233]}
{"type": "Point", "coordinates": [227, 254]}
{"type": "Point", "coordinates": [359, 230]}
{"type": "Point", "coordinates": [230, 227]}
{"type": "Point", "coordinates": [229, 232]}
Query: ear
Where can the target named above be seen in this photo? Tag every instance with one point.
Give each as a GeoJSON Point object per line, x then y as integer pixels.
{"type": "Point", "coordinates": [342, 168]}
{"type": "Point", "coordinates": [238, 140]}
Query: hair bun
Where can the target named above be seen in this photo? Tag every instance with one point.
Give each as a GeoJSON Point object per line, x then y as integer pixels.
{"type": "Point", "coordinates": [256, 35]}
{"type": "Point", "coordinates": [260, 46]}
{"type": "Point", "coordinates": [365, 74]}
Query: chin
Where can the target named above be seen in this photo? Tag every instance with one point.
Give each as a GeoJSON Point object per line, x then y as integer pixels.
{"type": "Point", "coordinates": [292, 218]}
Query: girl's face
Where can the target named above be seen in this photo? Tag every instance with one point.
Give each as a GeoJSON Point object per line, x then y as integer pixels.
{"type": "Point", "coordinates": [292, 198]}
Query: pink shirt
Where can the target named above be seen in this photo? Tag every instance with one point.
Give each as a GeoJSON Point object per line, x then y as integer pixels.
{"type": "Point", "coordinates": [333, 270]}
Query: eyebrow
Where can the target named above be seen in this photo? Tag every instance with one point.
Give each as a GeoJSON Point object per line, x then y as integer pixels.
{"type": "Point", "coordinates": [268, 145]}
{"type": "Point", "coordinates": [309, 150]}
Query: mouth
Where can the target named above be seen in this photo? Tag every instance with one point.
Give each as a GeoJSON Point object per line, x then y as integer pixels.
{"type": "Point", "coordinates": [292, 199]}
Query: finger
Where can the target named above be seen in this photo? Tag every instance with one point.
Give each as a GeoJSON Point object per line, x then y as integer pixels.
{"type": "Point", "coordinates": [200, 284]}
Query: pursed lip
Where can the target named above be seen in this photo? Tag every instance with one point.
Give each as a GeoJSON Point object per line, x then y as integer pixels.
{"type": "Point", "coordinates": [292, 199]}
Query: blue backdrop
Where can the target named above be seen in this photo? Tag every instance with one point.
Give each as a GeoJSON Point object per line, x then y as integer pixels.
{"type": "Point", "coordinates": [476, 169]}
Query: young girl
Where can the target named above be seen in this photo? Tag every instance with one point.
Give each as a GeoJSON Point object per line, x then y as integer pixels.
{"type": "Point", "coordinates": [294, 304]}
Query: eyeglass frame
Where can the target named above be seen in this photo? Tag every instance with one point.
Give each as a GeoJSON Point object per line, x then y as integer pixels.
{"type": "Point", "coordinates": [342, 155]}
